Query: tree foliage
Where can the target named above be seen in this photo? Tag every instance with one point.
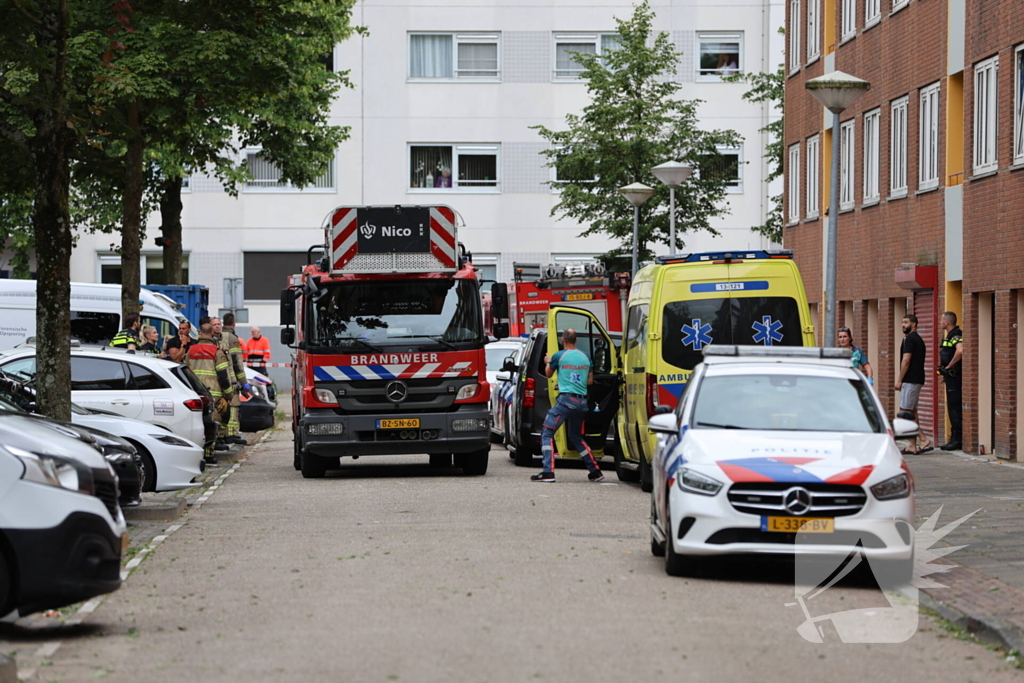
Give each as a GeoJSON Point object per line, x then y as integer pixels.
{"type": "Point", "coordinates": [634, 122]}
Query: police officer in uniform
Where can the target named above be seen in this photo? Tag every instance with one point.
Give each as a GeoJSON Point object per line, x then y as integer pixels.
{"type": "Point", "coordinates": [210, 364]}
{"type": "Point", "coordinates": [128, 338]}
{"type": "Point", "coordinates": [951, 368]}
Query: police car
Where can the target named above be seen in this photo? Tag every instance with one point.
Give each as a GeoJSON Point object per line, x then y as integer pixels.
{"type": "Point", "coordinates": [780, 450]}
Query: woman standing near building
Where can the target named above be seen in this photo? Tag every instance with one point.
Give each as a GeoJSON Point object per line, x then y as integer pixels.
{"type": "Point", "coordinates": [857, 355]}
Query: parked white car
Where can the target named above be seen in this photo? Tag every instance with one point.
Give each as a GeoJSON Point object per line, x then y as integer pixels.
{"type": "Point", "coordinates": [136, 386]}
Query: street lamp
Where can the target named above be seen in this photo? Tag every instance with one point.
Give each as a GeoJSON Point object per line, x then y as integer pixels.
{"type": "Point", "coordinates": [673, 174]}
{"type": "Point", "coordinates": [637, 194]}
{"type": "Point", "coordinates": [836, 91]}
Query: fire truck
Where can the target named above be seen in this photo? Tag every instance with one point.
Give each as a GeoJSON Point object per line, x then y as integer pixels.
{"type": "Point", "coordinates": [388, 334]}
{"type": "Point", "coordinates": [582, 285]}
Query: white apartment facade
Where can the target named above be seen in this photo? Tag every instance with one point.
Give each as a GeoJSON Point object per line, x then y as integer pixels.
{"type": "Point", "coordinates": [456, 84]}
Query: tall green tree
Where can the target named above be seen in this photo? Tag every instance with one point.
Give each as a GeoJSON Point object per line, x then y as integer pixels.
{"type": "Point", "coordinates": [634, 122]}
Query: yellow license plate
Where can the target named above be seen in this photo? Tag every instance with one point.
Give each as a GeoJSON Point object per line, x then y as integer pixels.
{"type": "Point", "coordinates": [579, 297]}
{"type": "Point", "coordinates": [124, 543]}
{"type": "Point", "coordinates": [803, 525]}
{"type": "Point", "coordinates": [399, 424]}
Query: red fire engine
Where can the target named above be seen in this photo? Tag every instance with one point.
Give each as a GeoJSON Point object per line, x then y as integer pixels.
{"type": "Point", "coordinates": [389, 337]}
{"type": "Point", "coordinates": [583, 285]}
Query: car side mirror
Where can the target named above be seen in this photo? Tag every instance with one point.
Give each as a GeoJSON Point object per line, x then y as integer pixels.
{"type": "Point", "coordinates": [904, 429]}
{"type": "Point", "coordinates": [664, 423]}
{"type": "Point", "coordinates": [287, 307]}
{"type": "Point", "coordinates": [503, 376]}
{"type": "Point", "coordinates": [509, 365]}
{"type": "Point", "coordinates": [499, 301]}
{"type": "Point", "coordinates": [500, 330]}
{"type": "Point", "coordinates": [288, 336]}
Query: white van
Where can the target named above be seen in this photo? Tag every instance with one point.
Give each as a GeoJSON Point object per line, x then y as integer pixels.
{"type": "Point", "coordinates": [95, 312]}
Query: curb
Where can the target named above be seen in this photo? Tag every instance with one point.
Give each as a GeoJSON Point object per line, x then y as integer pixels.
{"type": "Point", "coordinates": [8, 670]}
{"type": "Point", "coordinates": [167, 511]}
{"type": "Point", "coordinates": [968, 601]}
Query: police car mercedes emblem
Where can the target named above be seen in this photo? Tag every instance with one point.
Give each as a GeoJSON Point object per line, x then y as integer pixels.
{"type": "Point", "coordinates": [797, 500]}
{"type": "Point", "coordinates": [396, 391]}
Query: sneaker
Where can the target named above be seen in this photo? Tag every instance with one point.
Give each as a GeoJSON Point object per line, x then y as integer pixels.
{"type": "Point", "coordinates": [596, 475]}
{"type": "Point", "coordinates": [544, 476]}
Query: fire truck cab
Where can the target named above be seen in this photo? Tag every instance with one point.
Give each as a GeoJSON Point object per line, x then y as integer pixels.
{"type": "Point", "coordinates": [581, 285]}
{"type": "Point", "coordinates": [388, 335]}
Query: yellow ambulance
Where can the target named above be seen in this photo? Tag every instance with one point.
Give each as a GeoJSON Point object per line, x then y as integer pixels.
{"type": "Point", "coordinates": [679, 305]}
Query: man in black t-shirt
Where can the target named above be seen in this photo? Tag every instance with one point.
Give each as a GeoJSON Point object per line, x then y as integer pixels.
{"type": "Point", "coordinates": [910, 379]}
{"type": "Point", "coordinates": [177, 347]}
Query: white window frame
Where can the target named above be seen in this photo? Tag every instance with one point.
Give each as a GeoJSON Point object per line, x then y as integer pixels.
{"type": "Point", "coordinates": [872, 159]}
{"type": "Point", "coordinates": [897, 5]}
{"type": "Point", "coordinates": [460, 38]}
{"type": "Point", "coordinates": [488, 260]}
{"type": "Point", "coordinates": [556, 182]}
{"type": "Point", "coordinates": [847, 139]}
{"type": "Point", "coordinates": [597, 39]}
{"type": "Point", "coordinates": [794, 36]}
{"type": "Point", "coordinates": [793, 198]}
{"type": "Point", "coordinates": [720, 36]}
{"type": "Point", "coordinates": [1018, 105]}
{"type": "Point", "coordinates": [849, 19]}
{"type": "Point", "coordinates": [813, 30]}
{"type": "Point", "coordinates": [872, 12]}
{"type": "Point", "coordinates": [105, 258]}
{"type": "Point", "coordinates": [813, 176]}
{"type": "Point", "coordinates": [459, 150]}
{"type": "Point", "coordinates": [898, 148]}
{"type": "Point", "coordinates": [325, 184]}
{"type": "Point", "coordinates": [986, 116]}
{"type": "Point", "coordinates": [740, 162]}
{"type": "Point", "coordinates": [928, 133]}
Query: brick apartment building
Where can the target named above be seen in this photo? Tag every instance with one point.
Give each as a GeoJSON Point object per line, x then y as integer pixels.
{"type": "Point", "coordinates": [931, 210]}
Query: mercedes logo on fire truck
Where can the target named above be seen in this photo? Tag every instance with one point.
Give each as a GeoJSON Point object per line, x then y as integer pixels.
{"type": "Point", "coordinates": [396, 391]}
{"type": "Point", "coordinates": [797, 500]}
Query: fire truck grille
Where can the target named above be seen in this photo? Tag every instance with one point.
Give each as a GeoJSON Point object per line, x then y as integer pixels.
{"type": "Point", "coordinates": [393, 263]}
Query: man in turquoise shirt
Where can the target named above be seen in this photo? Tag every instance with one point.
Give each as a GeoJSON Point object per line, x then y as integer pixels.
{"type": "Point", "coordinates": [574, 374]}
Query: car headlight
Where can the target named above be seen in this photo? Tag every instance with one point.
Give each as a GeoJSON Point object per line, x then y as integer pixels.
{"type": "Point", "coordinates": [171, 440]}
{"type": "Point", "coordinates": [890, 489]}
{"type": "Point", "coordinates": [695, 482]}
{"type": "Point", "coordinates": [51, 470]}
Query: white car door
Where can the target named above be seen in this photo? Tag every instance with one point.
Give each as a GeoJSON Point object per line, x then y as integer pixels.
{"type": "Point", "coordinates": [161, 403]}
{"type": "Point", "coordinates": [102, 383]}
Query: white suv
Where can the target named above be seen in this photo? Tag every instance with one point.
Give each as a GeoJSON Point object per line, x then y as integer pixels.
{"type": "Point", "coordinates": [136, 385]}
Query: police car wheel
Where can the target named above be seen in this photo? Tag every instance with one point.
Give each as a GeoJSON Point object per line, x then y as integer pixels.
{"type": "Point", "coordinates": [675, 564]}
{"type": "Point", "coordinates": [657, 549]}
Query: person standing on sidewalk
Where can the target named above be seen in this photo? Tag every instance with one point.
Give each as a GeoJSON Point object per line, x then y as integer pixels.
{"type": "Point", "coordinates": [574, 375]}
{"type": "Point", "coordinates": [857, 355]}
{"type": "Point", "coordinates": [224, 334]}
{"type": "Point", "coordinates": [910, 379]}
{"type": "Point", "coordinates": [257, 350]}
{"type": "Point", "coordinates": [951, 370]}
{"type": "Point", "coordinates": [177, 347]}
{"type": "Point", "coordinates": [210, 364]}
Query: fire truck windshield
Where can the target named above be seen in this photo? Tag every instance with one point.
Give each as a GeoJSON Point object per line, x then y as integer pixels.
{"type": "Point", "coordinates": [378, 313]}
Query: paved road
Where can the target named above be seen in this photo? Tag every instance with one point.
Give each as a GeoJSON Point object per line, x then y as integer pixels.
{"type": "Point", "coordinates": [392, 571]}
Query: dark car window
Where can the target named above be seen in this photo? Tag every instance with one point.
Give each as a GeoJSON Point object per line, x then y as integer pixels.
{"type": "Point", "coordinates": [589, 339]}
{"type": "Point", "coordinates": [189, 379]}
{"type": "Point", "coordinates": [97, 374]}
{"type": "Point", "coordinates": [89, 327]}
{"type": "Point", "coordinates": [689, 326]}
{"type": "Point", "coordinates": [144, 378]}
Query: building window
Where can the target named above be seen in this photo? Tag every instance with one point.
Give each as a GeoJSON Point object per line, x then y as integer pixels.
{"type": "Point", "coordinates": [728, 165]}
{"type": "Point", "coordinates": [487, 269]}
{"type": "Point", "coordinates": [151, 268]}
{"type": "Point", "coordinates": [563, 172]}
{"type": "Point", "coordinates": [872, 12]}
{"type": "Point", "coordinates": [721, 54]}
{"type": "Point", "coordinates": [871, 156]}
{"type": "Point", "coordinates": [794, 37]}
{"type": "Point", "coordinates": [846, 136]}
{"type": "Point", "coordinates": [985, 115]}
{"type": "Point", "coordinates": [1018, 107]}
{"type": "Point", "coordinates": [849, 18]}
{"type": "Point", "coordinates": [266, 273]}
{"type": "Point", "coordinates": [813, 164]}
{"type": "Point", "coordinates": [899, 4]}
{"type": "Point", "coordinates": [929, 134]}
{"type": "Point", "coordinates": [898, 149]}
{"type": "Point", "coordinates": [454, 56]}
{"type": "Point", "coordinates": [813, 29]}
{"type": "Point", "coordinates": [793, 198]}
{"type": "Point", "coordinates": [266, 176]}
{"type": "Point", "coordinates": [567, 66]}
{"type": "Point", "coordinates": [462, 167]}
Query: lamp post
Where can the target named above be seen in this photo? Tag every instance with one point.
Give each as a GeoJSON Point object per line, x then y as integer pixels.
{"type": "Point", "coordinates": [673, 174]}
{"type": "Point", "coordinates": [836, 91]}
{"type": "Point", "coordinates": [637, 194]}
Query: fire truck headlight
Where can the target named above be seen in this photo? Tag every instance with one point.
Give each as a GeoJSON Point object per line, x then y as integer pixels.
{"type": "Point", "coordinates": [470, 425]}
{"type": "Point", "coordinates": [325, 429]}
{"type": "Point", "coordinates": [468, 391]}
{"type": "Point", "coordinates": [326, 396]}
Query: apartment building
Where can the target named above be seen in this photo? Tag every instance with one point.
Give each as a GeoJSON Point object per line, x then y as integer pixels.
{"type": "Point", "coordinates": [931, 189]}
{"type": "Point", "coordinates": [445, 96]}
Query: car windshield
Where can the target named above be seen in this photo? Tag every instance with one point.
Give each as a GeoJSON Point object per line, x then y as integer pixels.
{"type": "Point", "coordinates": [496, 356]}
{"type": "Point", "coordinates": [786, 402]}
{"type": "Point", "coordinates": [372, 314]}
{"type": "Point", "coordinates": [688, 326]}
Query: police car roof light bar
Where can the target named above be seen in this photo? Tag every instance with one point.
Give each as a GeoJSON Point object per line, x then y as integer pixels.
{"type": "Point", "coordinates": [711, 256]}
{"type": "Point", "coordinates": [775, 351]}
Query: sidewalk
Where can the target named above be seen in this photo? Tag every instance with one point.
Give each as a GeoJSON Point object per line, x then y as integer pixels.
{"type": "Point", "coordinates": [985, 590]}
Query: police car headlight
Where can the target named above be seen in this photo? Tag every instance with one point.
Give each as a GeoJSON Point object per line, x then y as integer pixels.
{"type": "Point", "coordinates": [53, 471]}
{"type": "Point", "coordinates": [468, 391]}
{"type": "Point", "coordinates": [326, 396]}
{"type": "Point", "coordinates": [695, 482]}
{"type": "Point", "coordinates": [891, 489]}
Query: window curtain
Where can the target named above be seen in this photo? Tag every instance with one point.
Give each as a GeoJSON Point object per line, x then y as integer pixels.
{"type": "Point", "coordinates": [478, 60]}
{"type": "Point", "coordinates": [430, 57]}
{"type": "Point", "coordinates": [428, 165]}
{"type": "Point", "coordinates": [565, 62]}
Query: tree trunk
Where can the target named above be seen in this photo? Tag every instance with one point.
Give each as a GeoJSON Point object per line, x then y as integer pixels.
{"type": "Point", "coordinates": [170, 215]}
{"type": "Point", "coordinates": [52, 224]}
{"type": "Point", "coordinates": [131, 228]}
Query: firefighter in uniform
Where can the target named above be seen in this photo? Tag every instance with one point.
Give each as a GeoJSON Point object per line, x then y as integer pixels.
{"type": "Point", "coordinates": [232, 347]}
{"type": "Point", "coordinates": [951, 368]}
{"type": "Point", "coordinates": [210, 365]}
{"type": "Point", "coordinates": [128, 338]}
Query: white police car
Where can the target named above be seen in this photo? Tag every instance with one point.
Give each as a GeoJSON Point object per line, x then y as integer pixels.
{"type": "Point", "coordinates": [780, 450]}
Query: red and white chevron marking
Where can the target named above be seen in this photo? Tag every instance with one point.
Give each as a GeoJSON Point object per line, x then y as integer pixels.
{"type": "Point", "coordinates": [442, 235]}
{"type": "Point", "coordinates": [344, 245]}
